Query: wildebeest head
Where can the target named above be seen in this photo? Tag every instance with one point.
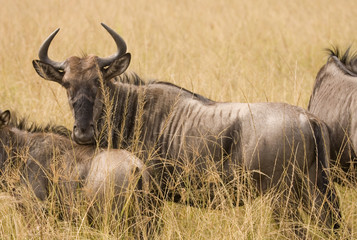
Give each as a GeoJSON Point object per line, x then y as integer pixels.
{"type": "Point", "coordinates": [81, 78]}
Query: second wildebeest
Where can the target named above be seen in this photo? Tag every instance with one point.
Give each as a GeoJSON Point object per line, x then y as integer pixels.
{"type": "Point", "coordinates": [50, 162]}
{"type": "Point", "coordinates": [334, 100]}
{"type": "Point", "coordinates": [281, 146]}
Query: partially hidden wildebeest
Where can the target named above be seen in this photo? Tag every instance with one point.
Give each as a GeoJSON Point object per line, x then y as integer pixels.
{"type": "Point", "coordinates": [276, 143]}
{"type": "Point", "coordinates": [333, 100]}
{"type": "Point", "coordinates": [49, 161]}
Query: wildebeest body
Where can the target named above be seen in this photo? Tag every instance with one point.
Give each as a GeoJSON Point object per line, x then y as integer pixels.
{"type": "Point", "coordinates": [49, 162]}
{"type": "Point", "coordinates": [179, 131]}
{"type": "Point", "coordinates": [263, 137]}
{"type": "Point", "coordinates": [333, 100]}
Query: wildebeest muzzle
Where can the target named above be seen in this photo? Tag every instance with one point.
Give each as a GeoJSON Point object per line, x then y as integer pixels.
{"type": "Point", "coordinates": [83, 129]}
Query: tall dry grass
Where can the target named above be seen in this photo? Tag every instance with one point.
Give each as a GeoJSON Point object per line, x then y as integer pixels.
{"type": "Point", "coordinates": [246, 51]}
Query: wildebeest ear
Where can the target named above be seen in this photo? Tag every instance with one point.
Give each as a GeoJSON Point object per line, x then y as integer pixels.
{"type": "Point", "coordinates": [5, 117]}
{"type": "Point", "coordinates": [47, 71]}
{"type": "Point", "coordinates": [117, 67]}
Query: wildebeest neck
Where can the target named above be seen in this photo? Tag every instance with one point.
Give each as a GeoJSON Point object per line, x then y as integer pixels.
{"type": "Point", "coordinates": [117, 120]}
{"type": "Point", "coordinates": [138, 105]}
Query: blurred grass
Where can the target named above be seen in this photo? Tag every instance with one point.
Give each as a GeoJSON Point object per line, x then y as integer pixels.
{"type": "Point", "coordinates": [246, 51]}
{"type": "Point", "coordinates": [228, 50]}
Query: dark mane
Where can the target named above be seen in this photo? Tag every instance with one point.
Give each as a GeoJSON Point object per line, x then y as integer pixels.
{"type": "Point", "coordinates": [198, 96]}
{"type": "Point", "coordinates": [23, 124]}
{"type": "Point", "coordinates": [133, 78]}
{"type": "Point", "coordinates": [347, 60]}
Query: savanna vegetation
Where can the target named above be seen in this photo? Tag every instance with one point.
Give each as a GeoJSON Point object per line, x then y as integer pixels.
{"type": "Point", "coordinates": [242, 51]}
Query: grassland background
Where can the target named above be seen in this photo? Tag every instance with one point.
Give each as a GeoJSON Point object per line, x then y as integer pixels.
{"type": "Point", "coordinates": [245, 51]}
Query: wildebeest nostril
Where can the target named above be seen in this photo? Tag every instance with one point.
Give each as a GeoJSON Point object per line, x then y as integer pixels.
{"type": "Point", "coordinates": [83, 129]}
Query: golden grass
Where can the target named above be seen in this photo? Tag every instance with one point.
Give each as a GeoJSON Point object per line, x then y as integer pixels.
{"type": "Point", "coordinates": [247, 51]}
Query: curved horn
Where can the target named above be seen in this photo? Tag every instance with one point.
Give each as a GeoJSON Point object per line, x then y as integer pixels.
{"type": "Point", "coordinates": [43, 53]}
{"type": "Point", "coordinates": [102, 62]}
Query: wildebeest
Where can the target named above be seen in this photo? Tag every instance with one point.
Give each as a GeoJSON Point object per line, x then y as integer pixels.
{"type": "Point", "coordinates": [280, 145]}
{"type": "Point", "coordinates": [51, 162]}
{"type": "Point", "coordinates": [333, 100]}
